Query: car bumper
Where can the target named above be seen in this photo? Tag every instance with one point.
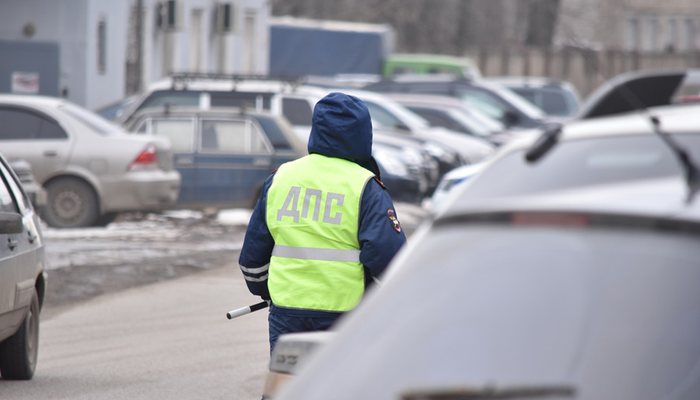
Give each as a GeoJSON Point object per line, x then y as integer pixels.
{"type": "Point", "coordinates": [141, 191]}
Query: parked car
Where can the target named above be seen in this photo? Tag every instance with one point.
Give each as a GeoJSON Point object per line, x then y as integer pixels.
{"type": "Point", "coordinates": [90, 168]}
{"type": "Point", "coordinates": [454, 114]}
{"type": "Point", "coordinates": [208, 91]}
{"type": "Point", "coordinates": [283, 99]}
{"type": "Point", "coordinates": [297, 107]}
{"type": "Point", "coordinates": [612, 149]}
{"type": "Point", "coordinates": [392, 115]}
{"type": "Point", "coordinates": [490, 98]}
{"type": "Point", "coordinates": [22, 278]}
{"type": "Point", "coordinates": [570, 295]}
{"type": "Point", "coordinates": [558, 99]}
{"type": "Point", "coordinates": [222, 154]}
{"type": "Point", "coordinates": [36, 193]}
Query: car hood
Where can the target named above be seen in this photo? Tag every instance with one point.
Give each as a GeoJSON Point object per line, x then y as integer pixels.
{"type": "Point", "coordinates": [633, 91]}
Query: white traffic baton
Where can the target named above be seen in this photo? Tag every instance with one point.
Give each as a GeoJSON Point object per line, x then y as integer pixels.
{"type": "Point", "coordinates": [247, 309]}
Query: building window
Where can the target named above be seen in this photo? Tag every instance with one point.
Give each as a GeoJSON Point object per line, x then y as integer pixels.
{"type": "Point", "coordinates": [651, 34]}
{"type": "Point", "coordinates": [102, 47]}
{"type": "Point", "coordinates": [689, 34]}
{"type": "Point", "coordinates": [672, 35]}
{"type": "Point", "coordinates": [632, 34]}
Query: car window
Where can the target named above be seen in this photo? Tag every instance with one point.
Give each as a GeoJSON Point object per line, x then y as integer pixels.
{"type": "Point", "coordinates": [297, 111]}
{"type": "Point", "coordinates": [439, 118]}
{"type": "Point", "coordinates": [579, 163]}
{"type": "Point", "coordinates": [19, 195]}
{"type": "Point", "coordinates": [252, 100]}
{"type": "Point", "coordinates": [18, 124]}
{"type": "Point", "coordinates": [551, 101]}
{"type": "Point", "coordinates": [486, 103]}
{"type": "Point", "coordinates": [25, 124]}
{"type": "Point", "coordinates": [180, 132]}
{"type": "Point", "coordinates": [172, 98]}
{"type": "Point", "coordinates": [94, 122]}
{"type": "Point", "coordinates": [274, 133]}
{"type": "Point", "coordinates": [7, 203]}
{"type": "Point", "coordinates": [232, 136]}
{"type": "Point", "coordinates": [382, 116]}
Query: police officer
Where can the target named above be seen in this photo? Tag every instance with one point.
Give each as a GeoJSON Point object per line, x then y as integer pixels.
{"type": "Point", "coordinates": [324, 225]}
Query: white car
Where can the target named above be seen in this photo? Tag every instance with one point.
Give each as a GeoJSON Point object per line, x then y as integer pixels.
{"type": "Point", "coordinates": [91, 169]}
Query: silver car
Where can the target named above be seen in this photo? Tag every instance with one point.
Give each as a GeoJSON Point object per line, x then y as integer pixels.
{"type": "Point", "coordinates": [90, 168]}
{"type": "Point", "coordinates": [22, 278]}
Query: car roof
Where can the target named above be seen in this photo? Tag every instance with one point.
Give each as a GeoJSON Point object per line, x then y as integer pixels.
{"type": "Point", "coordinates": [534, 81]}
{"type": "Point", "coordinates": [682, 118]}
{"type": "Point", "coordinates": [189, 110]}
{"type": "Point", "coordinates": [223, 83]}
{"type": "Point", "coordinates": [429, 100]}
{"type": "Point", "coordinates": [654, 198]}
{"type": "Point", "coordinates": [45, 101]}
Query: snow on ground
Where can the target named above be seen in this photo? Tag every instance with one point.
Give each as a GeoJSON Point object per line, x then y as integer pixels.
{"type": "Point", "coordinates": [172, 234]}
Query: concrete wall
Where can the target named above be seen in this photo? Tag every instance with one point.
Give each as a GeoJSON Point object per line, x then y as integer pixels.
{"type": "Point", "coordinates": [585, 69]}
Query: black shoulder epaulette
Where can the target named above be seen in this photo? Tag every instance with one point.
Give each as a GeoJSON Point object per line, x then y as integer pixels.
{"type": "Point", "coordinates": [379, 181]}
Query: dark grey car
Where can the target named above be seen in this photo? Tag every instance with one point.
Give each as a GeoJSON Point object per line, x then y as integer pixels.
{"type": "Point", "coordinates": [22, 280]}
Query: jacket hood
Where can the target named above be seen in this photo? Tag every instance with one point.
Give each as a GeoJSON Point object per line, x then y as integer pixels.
{"type": "Point", "coordinates": [341, 127]}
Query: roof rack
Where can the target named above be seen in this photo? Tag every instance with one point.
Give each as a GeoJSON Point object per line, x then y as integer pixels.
{"type": "Point", "coordinates": [183, 78]}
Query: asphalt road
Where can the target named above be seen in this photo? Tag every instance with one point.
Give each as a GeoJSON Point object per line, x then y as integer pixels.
{"type": "Point", "coordinates": [169, 340]}
{"type": "Point", "coordinates": [137, 311]}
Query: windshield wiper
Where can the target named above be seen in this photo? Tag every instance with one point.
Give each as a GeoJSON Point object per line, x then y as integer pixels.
{"type": "Point", "coordinates": [493, 392]}
{"type": "Point", "coordinates": [690, 170]}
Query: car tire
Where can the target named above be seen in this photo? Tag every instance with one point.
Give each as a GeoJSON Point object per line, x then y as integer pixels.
{"type": "Point", "coordinates": [71, 203]}
{"type": "Point", "coordinates": [18, 353]}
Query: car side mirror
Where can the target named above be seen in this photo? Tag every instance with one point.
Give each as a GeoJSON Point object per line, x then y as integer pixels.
{"type": "Point", "coordinates": [10, 223]}
{"type": "Point", "coordinates": [510, 118]}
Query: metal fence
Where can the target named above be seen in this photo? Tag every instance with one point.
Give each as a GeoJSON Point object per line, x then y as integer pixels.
{"type": "Point", "coordinates": [585, 69]}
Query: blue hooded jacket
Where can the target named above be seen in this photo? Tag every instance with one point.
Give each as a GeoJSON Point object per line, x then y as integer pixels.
{"type": "Point", "coordinates": [341, 127]}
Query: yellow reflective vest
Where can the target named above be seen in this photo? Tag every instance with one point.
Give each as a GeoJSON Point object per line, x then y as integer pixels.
{"type": "Point", "coordinates": [312, 212]}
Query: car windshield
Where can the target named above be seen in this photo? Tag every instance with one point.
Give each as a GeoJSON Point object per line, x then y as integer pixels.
{"type": "Point", "coordinates": [92, 121]}
{"type": "Point", "coordinates": [581, 162]}
{"type": "Point", "coordinates": [523, 105]}
{"type": "Point", "coordinates": [475, 126]}
{"type": "Point", "coordinates": [552, 101]}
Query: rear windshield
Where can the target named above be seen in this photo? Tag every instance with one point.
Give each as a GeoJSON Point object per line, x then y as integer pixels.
{"type": "Point", "coordinates": [91, 120]}
{"type": "Point", "coordinates": [583, 162]}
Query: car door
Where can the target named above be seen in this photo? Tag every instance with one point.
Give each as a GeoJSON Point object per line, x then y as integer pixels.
{"type": "Point", "coordinates": [17, 249]}
{"type": "Point", "coordinates": [233, 158]}
{"type": "Point", "coordinates": [35, 137]}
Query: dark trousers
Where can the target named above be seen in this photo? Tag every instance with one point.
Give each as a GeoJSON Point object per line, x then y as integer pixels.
{"type": "Point", "coordinates": [281, 323]}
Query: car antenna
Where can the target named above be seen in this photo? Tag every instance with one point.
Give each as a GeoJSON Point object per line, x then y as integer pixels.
{"type": "Point", "coordinates": [691, 171]}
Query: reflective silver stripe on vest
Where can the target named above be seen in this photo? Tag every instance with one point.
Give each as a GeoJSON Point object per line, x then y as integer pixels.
{"type": "Point", "coordinates": [312, 253]}
{"type": "Point", "coordinates": [251, 279]}
{"type": "Point", "coordinates": [258, 270]}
